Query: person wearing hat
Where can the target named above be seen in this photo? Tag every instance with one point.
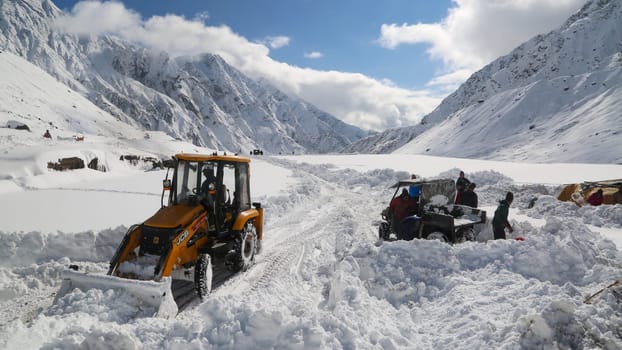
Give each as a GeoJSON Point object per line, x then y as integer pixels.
{"type": "Point", "coordinates": [500, 220]}
{"type": "Point", "coordinates": [596, 198]}
{"type": "Point", "coordinates": [469, 197]}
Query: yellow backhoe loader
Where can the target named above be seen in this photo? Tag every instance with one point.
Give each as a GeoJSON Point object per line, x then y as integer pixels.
{"type": "Point", "coordinates": [207, 222]}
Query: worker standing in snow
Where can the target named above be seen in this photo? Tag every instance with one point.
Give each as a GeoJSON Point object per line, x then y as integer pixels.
{"type": "Point", "coordinates": [500, 220]}
{"type": "Point", "coordinates": [469, 197]}
{"type": "Point", "coordinates": [461, 185]}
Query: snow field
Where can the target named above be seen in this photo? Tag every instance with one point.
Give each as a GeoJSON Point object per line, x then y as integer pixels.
{"type": "Point", "coordinates": [324, 280]}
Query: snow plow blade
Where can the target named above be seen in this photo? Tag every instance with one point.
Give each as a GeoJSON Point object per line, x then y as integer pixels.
{"type": "Point", "coordinates": [156, 294]}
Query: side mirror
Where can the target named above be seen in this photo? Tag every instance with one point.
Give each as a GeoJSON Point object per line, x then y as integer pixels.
{"type": "Point", "coordinates": [166, 184]}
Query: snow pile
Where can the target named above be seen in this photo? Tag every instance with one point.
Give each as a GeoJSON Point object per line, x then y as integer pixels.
{"type": "Point", "coordinates": [143, 267]}
{"type": "Point", "coordinates": [115, 306]}
{"type": "Point", "coordinates": [20, 249]}
{"type": "Point", "coordinates": [323, 279]}
{"type": "Point", "coordinates": [604, 215]}
{"type": "Point", "coordinates": [412, 272]}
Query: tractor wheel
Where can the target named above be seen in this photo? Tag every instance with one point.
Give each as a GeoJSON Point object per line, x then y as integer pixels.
{"type": "Point", "coordinates": [203, 274]}
{"type": "Point", "coordinates": [384, 231]}
{"type": "Point", "coordinates": [245, 248]}
{"type": "Point", "coordinates": [468, 233]}
{"type": "Point", "coordinates": [438, 236]}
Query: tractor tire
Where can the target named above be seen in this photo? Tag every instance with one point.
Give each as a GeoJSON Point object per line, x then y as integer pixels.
{"type": "Point", "coordinates": [436, 235]}
{"type": "Point", "coordinates": [203, 274]}
{"type": "Point", "coordinates": [245, 248]}
{"type": "Point", "coordinates": [384, 231]}
{"type": "Point", "coordinates": [468, 234]}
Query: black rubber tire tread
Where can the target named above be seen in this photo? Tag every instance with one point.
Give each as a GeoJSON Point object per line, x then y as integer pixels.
{"type": "Point", "coordinates": [437, 235]}
{"type": "Point", "coordinates": [239, 244]}
{"type": "Point", "coordinates": [203, 275]}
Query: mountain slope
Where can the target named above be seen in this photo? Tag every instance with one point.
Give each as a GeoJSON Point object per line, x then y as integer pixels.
{"type": "Point", "coordinates": [199, 99]}
{"type": "Point", "coordinates": [561, 91]}
{"type": "Point", "coordinates": [31, 97]}
{"type": "Point", "coordinates": [32, 101]}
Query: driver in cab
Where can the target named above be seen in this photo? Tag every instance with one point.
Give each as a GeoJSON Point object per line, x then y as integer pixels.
{"type": "Point", "coordinates": [208, 188]}
{"type": "Point", "coordinates": [402, 206]}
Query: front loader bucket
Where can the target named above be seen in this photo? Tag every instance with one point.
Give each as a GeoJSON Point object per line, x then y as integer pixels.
{"type": "Point", "coordinates": [157, 294]}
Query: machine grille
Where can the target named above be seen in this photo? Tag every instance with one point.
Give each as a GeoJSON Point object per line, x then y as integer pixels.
{"type": "Point", "coordinates": [156, 241]}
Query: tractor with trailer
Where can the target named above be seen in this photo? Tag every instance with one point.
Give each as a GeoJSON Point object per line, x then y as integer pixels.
{"type": "Point", "coordinates": [207, 225]}
{"type": "Point", "coordinates": [435, 216]}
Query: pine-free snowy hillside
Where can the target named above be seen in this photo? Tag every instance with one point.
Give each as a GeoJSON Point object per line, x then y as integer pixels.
{"type": "Point", "coordinates": [32, 98]}
{"type": "Point", "coordinates": [557, 97]}
{"type": "Point", "coordinates": [32, 101]}
{"type": "Point", "coordinates": [201, 100]}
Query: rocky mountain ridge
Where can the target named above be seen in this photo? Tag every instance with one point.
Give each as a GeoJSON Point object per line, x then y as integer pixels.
{"type": "Point", "coordinates": [563, 86]}
{"type": "Point", "coordinates": [199, 99]}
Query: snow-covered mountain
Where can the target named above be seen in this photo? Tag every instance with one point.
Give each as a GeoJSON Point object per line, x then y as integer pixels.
{"type": "Point", "coordinates": [199, 99]}
{"type": "Point", "coordinates": [561, 91]}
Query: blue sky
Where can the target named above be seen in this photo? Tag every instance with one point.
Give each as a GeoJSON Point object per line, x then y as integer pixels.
{"type": "Point", "coordinates": [374, 64]}
{"type": "Point", "coordinates": [344, 32]}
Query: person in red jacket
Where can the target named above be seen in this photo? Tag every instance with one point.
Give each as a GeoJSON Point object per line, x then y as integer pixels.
{"type": "Point", "coordinates": [401, 207]}
{"type": "Point", "coordinates": [596, 198]}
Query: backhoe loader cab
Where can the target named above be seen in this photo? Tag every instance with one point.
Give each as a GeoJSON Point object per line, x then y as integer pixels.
{"type": "Point", "coordinates": [219, 184]}
{"type": "Point", "coordinates": [208, 223]}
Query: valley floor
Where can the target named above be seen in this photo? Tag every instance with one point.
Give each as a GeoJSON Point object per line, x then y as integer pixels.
{"type": "Point", "coordinates": [323, 279]}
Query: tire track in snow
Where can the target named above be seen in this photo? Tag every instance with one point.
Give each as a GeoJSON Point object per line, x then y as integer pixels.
{"type": "Point", "coordinates": [321, 220]}
{"type": "Point", "coordinates": [278, 256]}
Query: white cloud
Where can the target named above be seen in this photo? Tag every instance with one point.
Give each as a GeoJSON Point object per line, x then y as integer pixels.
{"type": "Point", "coordinates": [475, 32]}
{"type": "Point", "coordinates": [314, 54]}
{"type": "Point", "coordinates": [277, 42]}
{"type": "Point", "coordinates": [95, 18]}
{"type": "Point", "coordinates": [449, 82]}
{"type": "Point", "coordinates": [201, 16]}
{"type": "Point", "coordinates": [354, 98]}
